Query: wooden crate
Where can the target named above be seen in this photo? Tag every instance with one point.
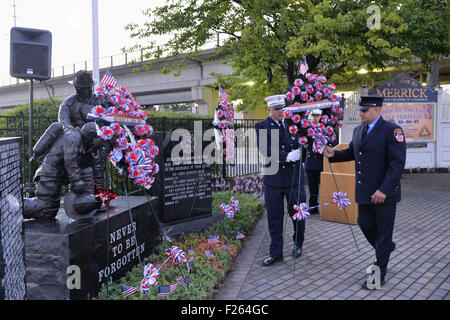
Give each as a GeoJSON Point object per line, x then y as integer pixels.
{"type": "Point", "coordinates": [344, 177]}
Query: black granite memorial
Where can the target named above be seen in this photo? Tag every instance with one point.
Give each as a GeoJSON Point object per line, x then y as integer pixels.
{"type": "Point", "coordinates": [183, 185]}
{"type": "Point", "coordinates": [12, 264]}
{"type": "Point", "coordinates": [71, 259]}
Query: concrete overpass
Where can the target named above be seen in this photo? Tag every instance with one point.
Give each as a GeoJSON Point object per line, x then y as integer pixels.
{"type": "Point", "coordinates": [148, 87]}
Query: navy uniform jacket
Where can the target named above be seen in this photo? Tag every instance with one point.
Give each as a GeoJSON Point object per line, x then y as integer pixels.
{"type": "Point", "coordinates": [379, 161]}
{"type": "Point", "coordinates": [288, 172]}
{"type": "Point", "coordinates": [314, 160]}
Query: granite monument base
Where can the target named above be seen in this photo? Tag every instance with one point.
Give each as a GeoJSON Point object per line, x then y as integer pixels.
{"type": "Point", "coordinates": [197, 224]}
{"type": "Point", "coordinates": [70, 260]}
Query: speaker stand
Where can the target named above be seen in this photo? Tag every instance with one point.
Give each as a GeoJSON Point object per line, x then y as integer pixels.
{"type": "Point", "coordinates": [30, 189]}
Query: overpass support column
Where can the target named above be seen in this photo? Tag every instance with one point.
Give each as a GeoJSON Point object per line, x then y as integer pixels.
{"type": "Point", "coordinates": [207, 99]}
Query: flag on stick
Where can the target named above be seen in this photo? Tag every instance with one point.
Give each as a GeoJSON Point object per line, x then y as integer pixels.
{"type": "Point", "coordinates": [209, 253]}
{"type": "Point", "coordinates": [222, 94]}
{"type": "Point", "coordinates": [184, 281]}
{"type": "Point", "coordinates": [304, 67]}
{"type": "Point", "coordinates": [239, 235]}
{"type": "Point", "coordinates": [109, 80]}
{"type": "Point", "coordinates": [213, 239]}
{"type": "Point", "coordinates": [189, 264]}
{"type": "Point", "coordinates": [128, 291]}
{"type": "Point", "coordinates": [163, 291]}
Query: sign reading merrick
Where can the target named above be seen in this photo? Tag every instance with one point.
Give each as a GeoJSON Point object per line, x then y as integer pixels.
{"type": "Point", "coordinates": [410, 105]}
{"type": "Point", "coordinates": [404, 89]}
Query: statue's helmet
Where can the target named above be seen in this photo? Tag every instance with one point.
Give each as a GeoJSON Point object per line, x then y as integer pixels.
{"type": "Point", "coordinates": [79, 206]}
{"type": "Point", "coordinates": [82, 79]}
{"type": "Point", "coordinates": [90, 135]}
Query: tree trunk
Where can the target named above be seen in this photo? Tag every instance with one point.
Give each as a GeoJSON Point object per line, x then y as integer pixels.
{"type": "Point", "coordinates": [433, 76]}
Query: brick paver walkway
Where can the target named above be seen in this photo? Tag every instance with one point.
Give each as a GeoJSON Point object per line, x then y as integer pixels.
{"type": "Point", "coordinates": [331, 267]}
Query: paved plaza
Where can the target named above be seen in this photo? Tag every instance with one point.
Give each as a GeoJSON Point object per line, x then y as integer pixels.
{"type": "Point", "coordinates": [332, 267]}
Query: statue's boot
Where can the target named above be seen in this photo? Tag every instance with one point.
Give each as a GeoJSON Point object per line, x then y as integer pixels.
{"type": "Point", "coordinates": [35, 208]}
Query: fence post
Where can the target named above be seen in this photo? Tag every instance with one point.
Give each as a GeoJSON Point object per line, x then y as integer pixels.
{"type": "Point", "coordinates": [164, 124]}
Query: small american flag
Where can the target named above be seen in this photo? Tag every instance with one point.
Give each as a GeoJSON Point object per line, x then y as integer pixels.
{"type": "Point", "coordinates": [172, 287]}
{"type": "Point", "coordinates": [184, 281]}
{"type": "Point", "coordinates": [109, 80]}
{"type": "Point", "coordinates": [226, 246]}
{"type": "Point", "coordinates": [239, 235]}
{"type": "Point", "coordinates": [304, 67]}
{"type": "Point", "coordinates": [163, 291]}
{"type": "Point", "coordinates": [128, 291]}
{"type": "Point", "coordinates": [222, 94]}
{"type": "Point", "coordinates": [209, 253]}
{"type": "Point", "coordinates": [213, 239]}
{"type": "Point", "coordinates": [189, 264]}
{"type": "Point", "coordinates": [191, 250]}
{"type": "Point", "coordinates": [166, 237]}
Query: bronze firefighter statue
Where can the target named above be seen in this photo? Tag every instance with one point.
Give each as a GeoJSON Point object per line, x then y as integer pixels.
{"type": "Point", "coordinates": [69, 161]}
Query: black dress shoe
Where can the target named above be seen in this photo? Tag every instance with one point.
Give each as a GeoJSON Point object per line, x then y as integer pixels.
{"type": "Point", "coordinates": [365, 287]}
{"type": "Point", "coordinates": [393, 246]}
{"type": "Point", "coordinates": [270, 261]}
{"type": "Point", "coordinates": [297, 252]}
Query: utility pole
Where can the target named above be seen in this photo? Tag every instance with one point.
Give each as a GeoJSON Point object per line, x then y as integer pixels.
{"type": "Point", "coordinates": [95, 54]}
{"type": "Point", "coordinates": [14, 16]}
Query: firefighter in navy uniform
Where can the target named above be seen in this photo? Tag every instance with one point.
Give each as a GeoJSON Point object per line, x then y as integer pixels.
{"type": "Point", "coordinates": [378, 148]}
{"type": "Point", "coordinates": [282, 178]}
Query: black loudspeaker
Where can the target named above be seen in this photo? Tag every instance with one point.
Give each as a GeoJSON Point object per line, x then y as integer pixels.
{"type": "Point", "coordinates": [31, 53]}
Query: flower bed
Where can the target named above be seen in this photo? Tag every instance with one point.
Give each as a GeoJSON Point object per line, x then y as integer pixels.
{"type": "Point", "coordinates": [206, 273]}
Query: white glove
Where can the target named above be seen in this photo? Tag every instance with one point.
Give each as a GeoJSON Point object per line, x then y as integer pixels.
{"type": "Point", "coordinates": [293, 156]}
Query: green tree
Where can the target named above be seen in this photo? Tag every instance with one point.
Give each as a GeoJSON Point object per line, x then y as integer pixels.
{"type": "Point", "coordinates": [428, 32]}
{"type": "Point", "coordinates": [268, 39]}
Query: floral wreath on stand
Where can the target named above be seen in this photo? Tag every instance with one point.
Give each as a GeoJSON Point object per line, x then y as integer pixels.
{"type": "Point", "coordinates": [301, 99]}
{"type": "Point", "coordinates": [224, 126]}
{"type": "Point", "coordinates": [132, 149]}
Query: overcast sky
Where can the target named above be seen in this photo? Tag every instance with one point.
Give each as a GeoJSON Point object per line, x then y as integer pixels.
{"type": "Point", "coordinates": [70, 22]}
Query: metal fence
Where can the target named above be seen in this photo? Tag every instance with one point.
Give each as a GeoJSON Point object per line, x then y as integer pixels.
{"type": "Point", "coordinates": [247, 160]}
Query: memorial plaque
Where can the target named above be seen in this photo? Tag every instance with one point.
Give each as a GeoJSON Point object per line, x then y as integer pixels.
{"type": "Point", "coordinates": [12, 263]}
{"type": "Point", "coordinates": [187, 190]}
{"type": "Point", "coordinates": [183, 184]}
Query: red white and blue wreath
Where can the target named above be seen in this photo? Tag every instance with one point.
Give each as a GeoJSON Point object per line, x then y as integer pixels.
{"type": "Point", "coordinates": [132, 149]}
{"type": "Point", "coordinates": [224, 125]}
{"type": "Point", "coordinates": [305, 95]}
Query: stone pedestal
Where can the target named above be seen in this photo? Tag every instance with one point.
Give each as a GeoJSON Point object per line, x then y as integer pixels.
{"type": "Point", "coordinates": [67, 259]}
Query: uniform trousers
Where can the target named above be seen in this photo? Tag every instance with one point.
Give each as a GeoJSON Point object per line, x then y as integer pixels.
{"type": "Point", "coordinates": [274, 198]}
{"type": "Point", "coordinates": [313, 177]}
{"type": "Point", "coordinates": [377, 224]}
